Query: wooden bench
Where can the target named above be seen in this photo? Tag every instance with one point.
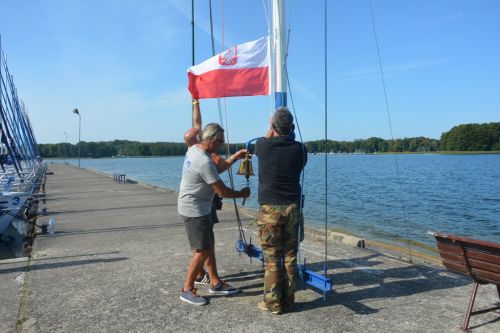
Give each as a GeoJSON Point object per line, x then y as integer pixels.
{"type": "Point", "coordinates": [478, 259]}
{"type": "Point", "coordinates": [119, 178]}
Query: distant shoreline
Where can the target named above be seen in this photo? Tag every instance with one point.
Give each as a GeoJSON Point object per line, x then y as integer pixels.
{"type": "Point", "coordinates": [385, 153]}
{"type": "Point", "coordinates": [448, 152]}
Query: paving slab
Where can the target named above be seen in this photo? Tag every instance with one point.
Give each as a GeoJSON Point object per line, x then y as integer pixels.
{"type": "Point", "coordinates": [119, 257]}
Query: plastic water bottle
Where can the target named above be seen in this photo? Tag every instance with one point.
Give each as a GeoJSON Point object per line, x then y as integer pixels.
{"type": "Point", "coordinates": [51, 226]}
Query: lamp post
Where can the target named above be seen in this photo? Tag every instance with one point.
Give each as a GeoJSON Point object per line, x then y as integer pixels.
{"type": "Point", "coordinates": [65, 146]}
{"type": "Point", "coordinates": [75, 111]}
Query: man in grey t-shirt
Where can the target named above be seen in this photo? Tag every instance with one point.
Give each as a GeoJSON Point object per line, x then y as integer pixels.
{"type": "Point", "coordinates": [196, 192]}
{"type": "Point", "coordinates": [200, 180]}
{"type": "Point", "coordinates": [192, 137]}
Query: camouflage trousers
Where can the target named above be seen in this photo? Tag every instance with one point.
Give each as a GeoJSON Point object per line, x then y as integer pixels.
{"type": "Point", "coordinates": [278, 227]}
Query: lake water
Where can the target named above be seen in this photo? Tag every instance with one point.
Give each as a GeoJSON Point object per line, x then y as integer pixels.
{"type": "Point", "coordinates": [382, 197]}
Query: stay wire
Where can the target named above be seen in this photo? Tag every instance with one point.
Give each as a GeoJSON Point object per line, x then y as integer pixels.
{"type": "Point", "coordinates": [219, 106]}
{"type": "Point", "coordinates": [299, 259]}
{"type": "Point", "coordinates": [266, 12]}
{"type": "Point", "coordinates": [301, 199]}
{"type": "Point", "coordinates": [405, 217]}
{"type": "Point", "coordinates": [326, 131]}
{"type": "Point", "coordinates": [299, 266]}
{"type": "Point", "coordinates": [301, 202]}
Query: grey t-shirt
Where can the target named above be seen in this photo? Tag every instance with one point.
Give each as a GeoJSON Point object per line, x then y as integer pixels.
{"type": "Point", "coordinates": [196, 193]}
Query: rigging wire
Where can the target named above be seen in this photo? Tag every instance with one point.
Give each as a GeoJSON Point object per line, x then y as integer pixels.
{"type": "Point", "coordinates": [326, 132]}
{"type": "Point", "coordinates": [405, 217]}
{"type": "Point", "coordinates": [301, 200]}
{"type": "Point", "coordinates": [270, 40]}
{"type": "Point", "coordinates": [299, 266]}
{"type": "Point", "coordinates": [192, 52]}
{"type": "Point", "coordinates": [321, 282]}
{"type": "Point", "coordinates": [266, 13]}
{"type": "Point", "coordinates": [301, 203]}
{"type": "Point", "coordinates": [219, 106]}
{"type": "Point", "coordinates": [212, 40]}
{"type": "Point", "coordinates": [192, 32]}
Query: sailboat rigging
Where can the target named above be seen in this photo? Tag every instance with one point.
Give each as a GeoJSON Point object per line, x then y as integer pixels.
{"type": "Point", "coordinates": [279, 79]}
{"type": "Point", "coordinates": [22, 171]}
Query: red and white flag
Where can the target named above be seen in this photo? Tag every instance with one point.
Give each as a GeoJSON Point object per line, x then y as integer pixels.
{"type": "Point", "coordinates": [243, 70]}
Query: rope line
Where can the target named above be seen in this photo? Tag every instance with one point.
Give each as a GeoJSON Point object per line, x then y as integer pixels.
{"type": "Point", "coordinates": [221, 120]}
{"type": "Point", "coordinates": [326, 132]}
{"type": "Point", "coordinates": [299, 266]}
{"type": "Point", "coordinates": [301, 198]}
{"type": "Point", "coordinates": [266, 13]}
{"type": "Point", "coordinates": [405, 217]}
{"type": "Point", "coordinates": [299, 255]}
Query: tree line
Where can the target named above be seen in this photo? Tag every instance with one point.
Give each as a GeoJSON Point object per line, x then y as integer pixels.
{"type": "Point", "coordinates": [472, 137]}
{"type": "Point", "coordinates": [468, 137]}
{"type": "Point", "coordinates": [374, 145]}
{"type": "Point", "coordinates": [118, 148]}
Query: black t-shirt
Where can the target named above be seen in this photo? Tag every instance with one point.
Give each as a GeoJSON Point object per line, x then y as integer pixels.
{"type": "Point", "coordinates": [281, 161]}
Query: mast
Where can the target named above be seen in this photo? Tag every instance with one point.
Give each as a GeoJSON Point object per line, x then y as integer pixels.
{"type": "Point", "coordinates": [279, 53]}
{"type": "Point", "coordinates": [192, 33]}
{"type": "Point", "coordinates": [192, 52]}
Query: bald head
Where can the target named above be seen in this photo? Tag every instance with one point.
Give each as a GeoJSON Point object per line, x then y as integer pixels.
{"type": "Point", "coordinates": [191, 136]}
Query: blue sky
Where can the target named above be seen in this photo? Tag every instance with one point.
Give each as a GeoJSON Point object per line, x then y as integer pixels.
{"type": "Point", "coordinates": [123, 64]}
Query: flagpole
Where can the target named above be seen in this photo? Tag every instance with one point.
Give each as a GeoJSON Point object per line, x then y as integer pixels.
{"type": "Point", "coordinates": [280, 98]}
{"type": "Point", "coordinates": [192, 51]}
{"type": "Point", "coordinates": [192, 32]}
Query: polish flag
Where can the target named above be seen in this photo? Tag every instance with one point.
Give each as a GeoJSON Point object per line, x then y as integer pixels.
{"type": "Point", "coordinates": [242, 70]}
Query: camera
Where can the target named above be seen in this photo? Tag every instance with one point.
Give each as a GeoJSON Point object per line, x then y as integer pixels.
{"type": "Point", "coordinates": [217, 202]}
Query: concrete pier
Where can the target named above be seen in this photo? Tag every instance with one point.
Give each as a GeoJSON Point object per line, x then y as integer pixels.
{"type": "Point", "coordinates": [119, 257]}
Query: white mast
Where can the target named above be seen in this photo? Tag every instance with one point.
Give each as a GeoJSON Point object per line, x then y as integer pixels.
{"type": "Point", "coordinates": [280, 49]}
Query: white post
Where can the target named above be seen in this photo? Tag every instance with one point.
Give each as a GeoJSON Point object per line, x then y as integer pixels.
{"type": "Point", "coordinates": [279, 39]}
{"type": "Point", "coordinates": [75, 111]}
{"type": "Point", "coordinates": [65, 147]}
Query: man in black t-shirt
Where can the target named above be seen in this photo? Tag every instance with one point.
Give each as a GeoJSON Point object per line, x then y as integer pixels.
{"type": "Point", "coordinates": [281, 160]}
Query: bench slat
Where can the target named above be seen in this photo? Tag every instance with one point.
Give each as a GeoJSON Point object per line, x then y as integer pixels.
{"type": "Point", "coordinates": [458, 259]}
{"type": "Point", "coordinates": [457, 268]}
{"type": "Point", "coordinates": [449, 248]}
{"type": "Point", "coordinates": [474, 263]}
{"type": "Point", "coordinates": [486, 276]}
{"type": "Point", "coordinates": [494, 247]}
{"type": "Point", "coordinates": [483, 256]}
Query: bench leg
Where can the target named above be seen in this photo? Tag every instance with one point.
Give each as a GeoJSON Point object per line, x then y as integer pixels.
{"type": "Point", "coordinates": [471, 305]}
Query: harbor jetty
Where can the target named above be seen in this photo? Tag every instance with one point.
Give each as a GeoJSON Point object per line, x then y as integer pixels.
{"type": "Point", "coordinates": [119, 255]}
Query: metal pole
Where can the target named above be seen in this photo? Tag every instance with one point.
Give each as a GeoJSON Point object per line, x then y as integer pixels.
{"type": "Point", "coordinates": [279, 35]}
{"type": "Point", "coordinates": [192, 50]}
{"type": "Point", "coordinates": [79, 138]}
{"type": "Point", "coordinates": [65, 147]}
{"type": "Point", "coordinates": [192, 32]}
{"type": "Point", "coordinates": [79, 131]}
